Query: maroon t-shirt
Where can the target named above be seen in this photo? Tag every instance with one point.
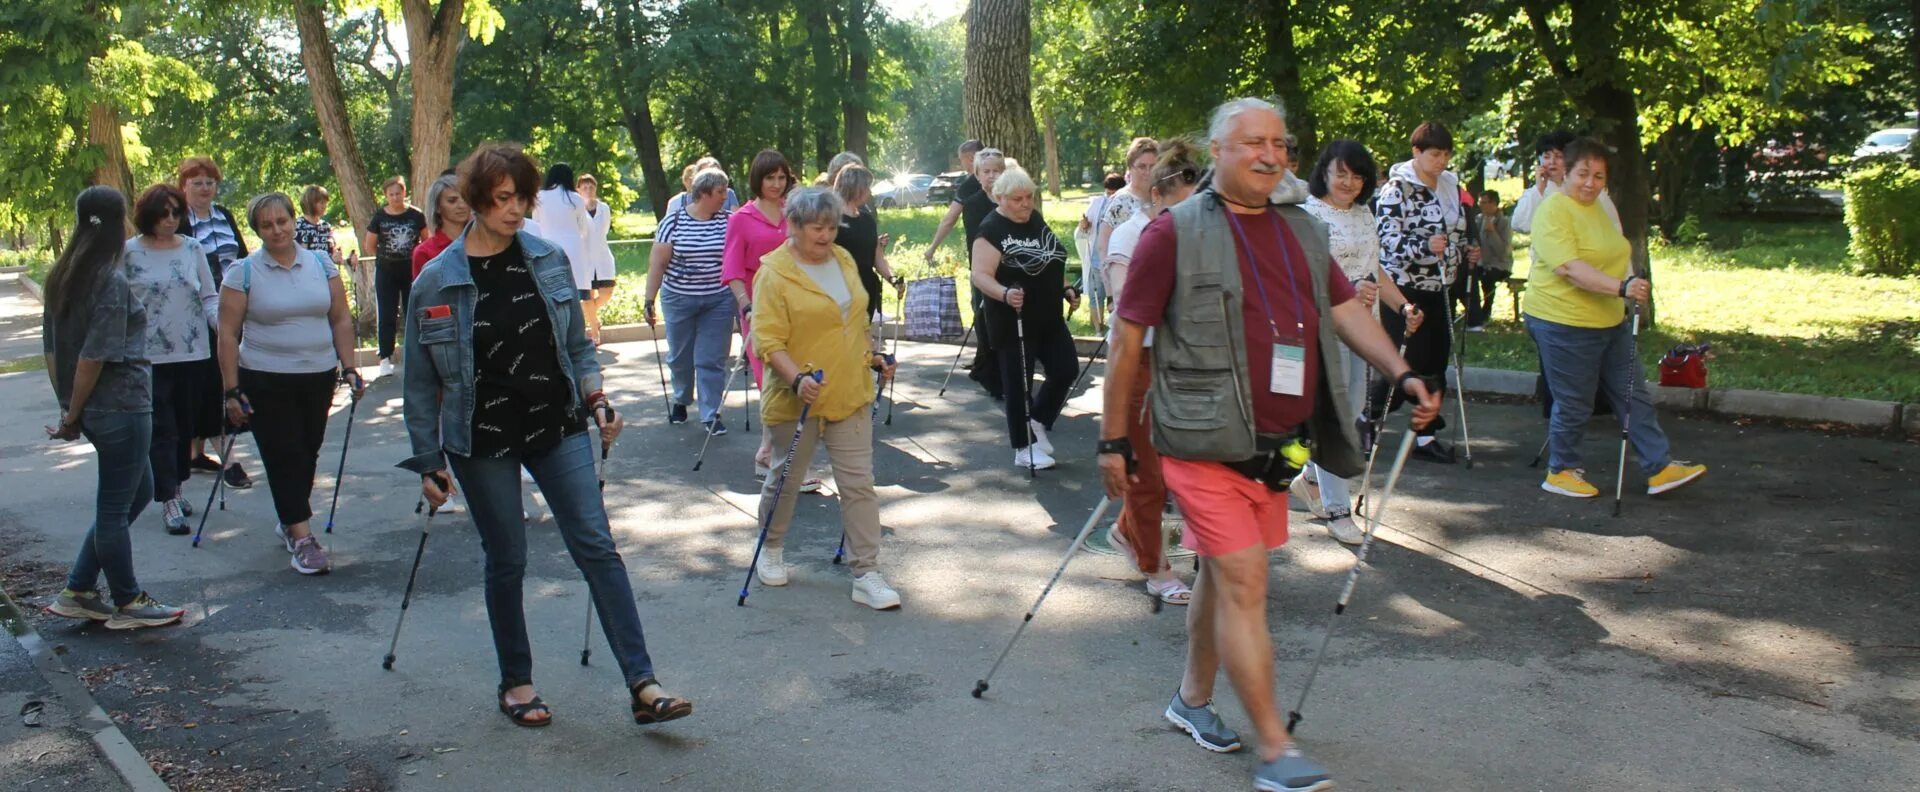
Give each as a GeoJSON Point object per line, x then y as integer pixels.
{"type": "Point", "coordinates": [1276, 252]}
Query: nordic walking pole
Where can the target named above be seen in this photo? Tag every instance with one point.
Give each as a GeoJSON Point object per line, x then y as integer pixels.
{"type": "Point", "coordinates": [1459, 384]}
{"type": "Point", "coordinates": [1626, 414]}
{"type": "Point", "coordinates": [359, 388]}
{"type": "Point", "coordinates": [406, 599]}
{"type": "Point", "coordinates": [899, 322]}
{"type": "Point", "coordinates": [733, 367]}
{"type": "Point", "coordinates": [666, 392]}
{"type": "Point", "coordinates": [1353, 575]}
{"type": "Point", "coordinates": [1026, 381]}
{"type": "Point", "coordinates": [1089, 364]}
{"type": "Point", "coordinates": [600, 473]}
{"type": "Point", "coordinates": [779, 488]}
{"type": "Point", "coordinates": [956, 357]}
{"type": "Point", "coordinates": [980, 687]}
{"type": "Point", "coordinates": [219, 481]}
{"type": "Point", "coordinates": [1366, 479]}
{"type": "Point", "coordinates": [880, 385]}
{"type": "Point", "coordinates": [746, 364]}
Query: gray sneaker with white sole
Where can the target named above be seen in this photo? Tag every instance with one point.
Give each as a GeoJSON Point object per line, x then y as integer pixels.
{"type": "Point", "coordinates": [1204, 723]}
{"type": "Point", "coordinates": [143, 611]}
{"type": "Point", "coordinates": [81, 605]}
{"type": "Point", "coordinates": [1292, 772]}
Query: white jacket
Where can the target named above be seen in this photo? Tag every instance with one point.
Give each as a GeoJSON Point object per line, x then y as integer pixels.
{"type": "Point", "coordinates": [597, 262]}
{"type": "Point", "coordinates": [562, 215]}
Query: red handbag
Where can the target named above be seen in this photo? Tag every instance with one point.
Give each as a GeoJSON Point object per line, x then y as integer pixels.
{"type": "Point", "coordinates": [1685, 366]}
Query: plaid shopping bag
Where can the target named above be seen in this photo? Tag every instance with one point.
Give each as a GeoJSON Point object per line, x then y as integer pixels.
{"type": "Point", "coordinates": [933, 310]}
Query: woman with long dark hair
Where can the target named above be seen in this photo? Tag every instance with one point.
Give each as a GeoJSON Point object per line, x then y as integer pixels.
{"type": "Point", "coordinates": [502, 379]}
{"type": "Point", "coordinates": [169, 276]}
{"type": "Point", "coordinates": [94, 332]}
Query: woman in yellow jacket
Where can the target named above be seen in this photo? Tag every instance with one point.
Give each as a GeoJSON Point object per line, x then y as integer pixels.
{"type": "Point", "coordinates": [810, 314]}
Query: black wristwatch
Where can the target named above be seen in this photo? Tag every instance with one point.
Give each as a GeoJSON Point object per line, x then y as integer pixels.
{"type": "Point", "coordinates": [1401, 383]}
{"type": "Point", "coordinates": [799, 378]}
{"type": "Point", "coordinates": [235, 394]}
{"type": "Point", "coordinates": [1625, 282]}
{"type": "Point", "coordinates": [1118, 445]}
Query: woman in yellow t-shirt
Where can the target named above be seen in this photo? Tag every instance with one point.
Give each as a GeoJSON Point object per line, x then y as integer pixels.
{"type": "Point", "coordinates": [1576, 312]}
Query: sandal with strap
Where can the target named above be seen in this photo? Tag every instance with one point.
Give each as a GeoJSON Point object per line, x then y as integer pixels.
{"type": "Point", "coordinates": [522, 714]}
{"type": "Point", "coordinates": [663, 708]}
{"type": "Point", "coordinates": [1174, 592]}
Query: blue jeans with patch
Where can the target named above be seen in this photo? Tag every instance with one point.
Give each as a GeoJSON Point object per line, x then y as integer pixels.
{"type": "Point", "coordinates": [123, 442]}
{"type": "Point", "coordinates": [699, 336]}
{"type": "Point", "coordinates": [1581, 363]}
{"type": "Point", "coordinates": [565, 475]}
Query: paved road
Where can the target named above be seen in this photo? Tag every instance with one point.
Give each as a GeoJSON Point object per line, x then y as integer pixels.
{"type": "Point", "coordinates": [1756, 632]}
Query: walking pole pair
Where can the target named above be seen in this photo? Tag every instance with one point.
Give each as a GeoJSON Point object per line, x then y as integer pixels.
{"type": "Point", "coordinates": [406, 598]}
{"type": "Point", "coordinates": [980, 687]}
{"type": "Point", "coordinates": [779, 488]}
{"type": "Point", "coordinates": [358, 388]}
{"type": "Point", "coordinates": [733, 367]}
{"type": "Point", "coordinates": [1353, 575]}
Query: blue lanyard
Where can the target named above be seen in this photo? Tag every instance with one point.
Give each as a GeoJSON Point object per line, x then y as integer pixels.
{"type": "Point", "coordinates": [1286, 261]}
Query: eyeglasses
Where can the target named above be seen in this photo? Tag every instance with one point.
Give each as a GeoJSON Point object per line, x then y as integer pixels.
{"type": "Point", "coordinates": [203, 182]}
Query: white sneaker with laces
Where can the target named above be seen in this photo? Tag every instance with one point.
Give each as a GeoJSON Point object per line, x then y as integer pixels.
{"type": "Point", "coordinates": [386, 369]}
{"type": "Point", "coordinates": [772, 569]}
{"type": "Point", "coordinates": [1040, 440]}
{"type": "Point", "coordinates": [871, 590]}
{"type": "Point", "coordinates": [1034, 457]}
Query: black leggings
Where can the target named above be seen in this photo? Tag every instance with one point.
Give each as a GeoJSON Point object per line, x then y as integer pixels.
{"type": "Point", "coordinates": [1427, 350]}
{"type": "Point", "coordinates": [1050, 349]}
{"type": "Point", "coordinates": [176, 397]}
{"type": "Point", "coordinates": [289, 424]}
{"type": "Point", "coordinates": [392, 283]}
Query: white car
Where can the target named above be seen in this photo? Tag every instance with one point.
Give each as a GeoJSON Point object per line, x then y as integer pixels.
{"type": "Point", "coordinates": [906, 190]}
{"type": "Point", "coordinates": [1896, 142]}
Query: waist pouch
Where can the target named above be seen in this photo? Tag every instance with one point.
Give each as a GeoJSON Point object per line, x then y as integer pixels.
{"type": "Point", "coordinates": [1281, 457]}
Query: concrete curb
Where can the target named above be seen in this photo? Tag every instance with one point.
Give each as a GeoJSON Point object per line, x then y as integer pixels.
{"type": "Point", "coordinates": [33, 287]}
{"type": "Point", "coordinates": [114, 747]}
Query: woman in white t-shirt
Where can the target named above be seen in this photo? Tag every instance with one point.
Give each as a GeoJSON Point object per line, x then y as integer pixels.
{"type": "Point", "coordinates": [1173, 178]}
{"type": "Point", "coordinates": [1341, 184]}
{"type": "Point", "coordinates": [564, 221]}
{"type": "Point", "coordinates": [597, 265]}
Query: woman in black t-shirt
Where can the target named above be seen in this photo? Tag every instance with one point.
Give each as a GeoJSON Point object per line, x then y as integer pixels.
{"type": "Point", "coordinates": [860, 234]}
{"type": "Point", "coordinates": [1020, 268]}
{"type": "Point", "coordinates": [392, 234]}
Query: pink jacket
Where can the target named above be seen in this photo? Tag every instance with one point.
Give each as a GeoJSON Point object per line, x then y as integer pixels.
{"type": "Point", "coordinates": [749, 237]}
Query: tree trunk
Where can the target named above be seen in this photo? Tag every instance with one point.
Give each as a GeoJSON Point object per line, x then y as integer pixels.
{"type": "Point", "coordinates": [997, 108]}
{"type": "Point", "coordinates": [853, 106]}
{"type": "Point", "coordinates": [103, 131]}
{"type": "Point", "coordinates": [1615, 111]}
{"type": "Point", "coordinates": [1913, 49]}
{"type": "Point", "coordinates": [1282, 68]}
{"type": "Point", "coordinates": [1053, 154]}
{"type": "Point", "coordinates": [349, 170]}
{"type": "Point", "coordinates": [632, 56]}
{"type": "Point", "coordinates": [822, 101]}
{"type": "Point", "coordinates": [434, 37]}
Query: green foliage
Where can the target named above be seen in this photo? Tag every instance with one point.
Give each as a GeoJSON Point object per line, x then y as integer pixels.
{"type": "Point", "coordinates": [1883, 217]}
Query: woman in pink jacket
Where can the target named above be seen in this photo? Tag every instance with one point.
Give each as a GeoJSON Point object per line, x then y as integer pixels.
{"type": "Point", "coordinates": [754, 231]}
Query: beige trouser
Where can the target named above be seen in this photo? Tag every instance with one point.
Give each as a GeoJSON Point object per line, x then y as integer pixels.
{"type": "Point", "coordinates": [850, 449]}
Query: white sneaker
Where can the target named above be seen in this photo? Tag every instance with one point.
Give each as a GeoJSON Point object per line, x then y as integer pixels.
{"type": "Point", "coordinates": [280, 530]}
{"type": "Point", "coordinates": [1345, 530]}
{"type": "Point", "coordinates": [386, 368]}
{"type": "Point", "coordinates": [1040, 437]}
{"type": "Point", "coordinates": [1308, 493]}
{"type": "Point", "coordinates": [1034, 457]}
{"type": "Point", "coordinates": [811, 485]}
{"type": "Point", "coordinates": [772, 569]}
{"type": "Point", "coordinates": [872, 591]}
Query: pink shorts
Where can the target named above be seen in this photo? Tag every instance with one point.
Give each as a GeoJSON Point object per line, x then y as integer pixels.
{"type": "Point", "coordinates": [1226, 512]}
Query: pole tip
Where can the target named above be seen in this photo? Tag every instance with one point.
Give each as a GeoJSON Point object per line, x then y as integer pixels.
{"type": "Point", "coordinates": [1293, 719]}
{"type": "Point", "coordinates": [979, 688]}
{"type": "Point", "coordinates": [387, 663]}
{"type": "Point", "coordinates": [584, 654]}
{"type": "Point", "coordinates": [742, 602]}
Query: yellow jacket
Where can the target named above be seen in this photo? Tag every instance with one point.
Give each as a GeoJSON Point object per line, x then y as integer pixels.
{"type": "Point", "coordinates": [792, 314]}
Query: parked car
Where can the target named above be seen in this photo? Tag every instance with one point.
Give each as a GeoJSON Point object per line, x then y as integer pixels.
{"type": "Point", "coordinates": [1897, 142]}
{"type": "Point", "coordinates": [940, 191]}
{"type": "Point", "coordinates": [906, 190]}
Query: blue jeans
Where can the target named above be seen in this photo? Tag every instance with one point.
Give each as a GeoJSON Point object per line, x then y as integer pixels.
{"type": "Point", "coordinates": [122, 441]}
{"type": "Point", "coordinates": [565, 475]}
{"type": "Point", "coordinates": [699, 336]}
{"type": "Point", "coordinates": [1580, 363]}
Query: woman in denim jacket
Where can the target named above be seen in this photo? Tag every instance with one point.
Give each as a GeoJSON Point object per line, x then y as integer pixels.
{"type": "Point", "coordinates": [500, 376]}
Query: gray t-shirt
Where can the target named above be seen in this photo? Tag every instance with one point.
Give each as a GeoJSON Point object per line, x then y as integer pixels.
{"type": "Point", "coordinates": [176, 287]}
{"type": "Point", "coordinates": [286, 329]}
{"type": "Point", "coordinates": [114, 332]}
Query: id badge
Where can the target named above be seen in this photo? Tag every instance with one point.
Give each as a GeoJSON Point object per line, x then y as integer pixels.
{"type": "Point", "coordinates": [1289, 372]}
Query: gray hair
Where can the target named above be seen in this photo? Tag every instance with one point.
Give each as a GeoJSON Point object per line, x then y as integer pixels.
{"type": "Point", "coordinates": [809, 205]}
{"type": "Point", "coordinates": [1224, 115]}
{"type": "Point", "coordinates": [980, 157]}
{"type": "Point", "coordinates": [839, 161]}
{"type": "Point", "coordinates": [441, 185]}
{"type": "Point", "coordinates": [706, 181]}
{"type": "Point", "coordinates": [1012, 180]}
{"type": "Point", "coordinates": [261, 203]}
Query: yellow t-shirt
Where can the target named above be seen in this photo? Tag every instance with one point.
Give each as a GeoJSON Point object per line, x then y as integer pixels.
{"type": "Point", "coordinates": [1563, 230]}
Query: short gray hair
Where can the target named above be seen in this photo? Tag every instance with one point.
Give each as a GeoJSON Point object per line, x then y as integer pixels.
{"type": "Point", "coordinates": [988, 153]}
{"type": "Point", "coordinates": [1224, 115]}
{"type": "Point", "coordinates": [809, 205]}
{"type": "Point", "coordinates": [441, 185]}
{"type": "Point", "coordinates": [707, 181]}
{"type": "Point", "coordinates": [261, 203]}
{"type": "Point", "coordinates": [1012, 180]}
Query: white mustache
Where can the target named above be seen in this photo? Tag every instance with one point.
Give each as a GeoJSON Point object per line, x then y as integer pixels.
{"type": "Point", "coordinates": [1266, 169]}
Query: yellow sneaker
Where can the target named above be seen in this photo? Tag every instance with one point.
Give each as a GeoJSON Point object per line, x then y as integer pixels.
{"type": "Point", "coordinates": [1675, 475]}
{"type": "Point", "coordinates": [1571, 482]}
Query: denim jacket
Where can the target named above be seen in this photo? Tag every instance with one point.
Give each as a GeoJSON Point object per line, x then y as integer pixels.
{"type": "Point", "coordinates": [439, 371]}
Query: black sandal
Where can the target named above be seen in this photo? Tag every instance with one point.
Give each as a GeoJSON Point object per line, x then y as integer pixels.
{"type": "Point", "coordinates": [519, 713]}
{"type": "Point", "coordinates": [663, 709]}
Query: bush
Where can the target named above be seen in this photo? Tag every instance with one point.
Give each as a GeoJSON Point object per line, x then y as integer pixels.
{"type": "Point", "coordinates": [36, 260]}
{"type": "Point", "coordinates": [1883, 219]}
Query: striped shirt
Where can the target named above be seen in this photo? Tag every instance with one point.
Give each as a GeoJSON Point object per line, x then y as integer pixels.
{"type": "Point", "coordinates": [697, 248]}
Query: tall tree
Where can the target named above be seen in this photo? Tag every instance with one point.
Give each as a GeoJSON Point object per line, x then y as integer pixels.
{"type": "Point", "coordinates": [822, 100]}
{"type": "Point", "coordinates": [317, 54]}
{"type": "Point", "coordinates": [435, 34]}
{"type": "Point", "coordinates": [632, 59]}
{"type": "Point", "coordinates": [998, 107]}
{"type": "Point", "coordinates": [856, 16]}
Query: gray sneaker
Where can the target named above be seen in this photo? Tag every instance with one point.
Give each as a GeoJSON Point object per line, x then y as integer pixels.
{"type": "Point", "coordinates": [186, 507]}
{"type": "Point", "coordinates": [1292, 772]}
{"type": "Point", "coordinates": [174, 518]}
{"type": "Point", "coordinates": [143, 611]}
{"type": "Point", "coordinates": [1204, 723]}
{"type": "Point", "coordinates": [81, 605]}
{"type": "Point", "coordinates": [309, 558]}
